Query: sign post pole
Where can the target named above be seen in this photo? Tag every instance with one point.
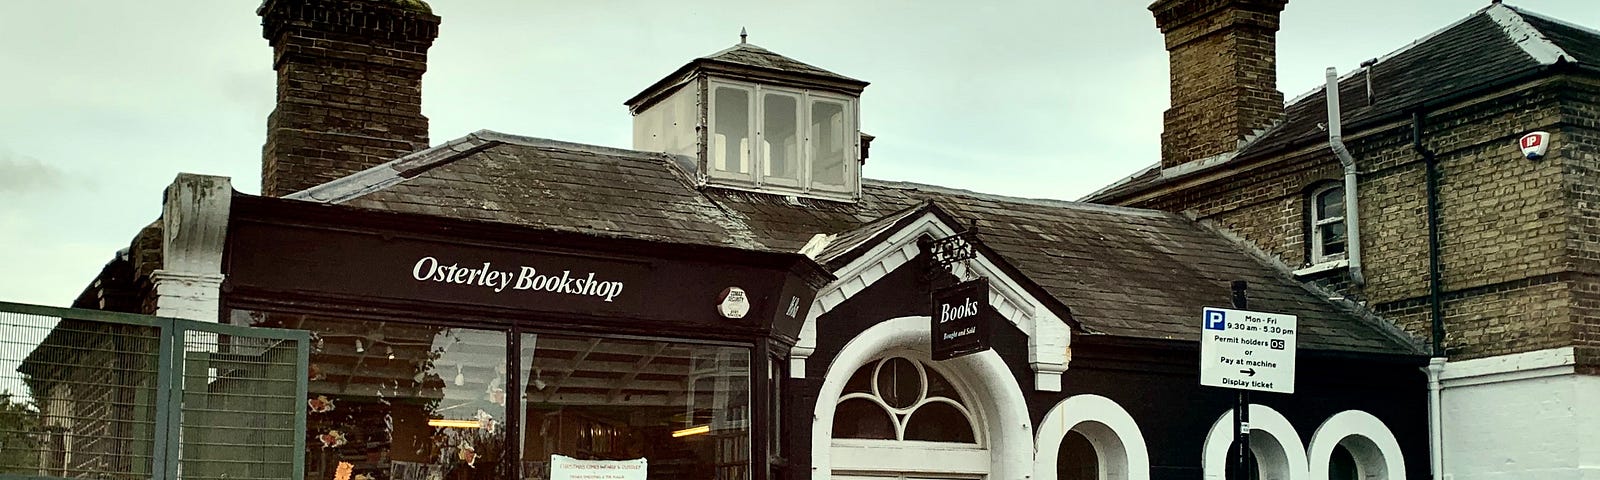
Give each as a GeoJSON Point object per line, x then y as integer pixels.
{"type": "Point", "coordinates": [1246, 350]}
{"type": "Point", "coordinates": [1241, 409]}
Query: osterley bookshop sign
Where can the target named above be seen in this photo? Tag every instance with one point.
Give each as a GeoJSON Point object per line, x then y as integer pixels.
{"type": "Point", "coordinates": [421, 272]}
{"type": "Point", "coordinates": [961, 319]}
{"type": "Point", "coordinates": [516, 279]}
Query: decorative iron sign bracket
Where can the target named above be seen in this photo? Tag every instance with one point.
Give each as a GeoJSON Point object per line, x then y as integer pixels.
{"type": "Point", "coordinates": [945, 253]}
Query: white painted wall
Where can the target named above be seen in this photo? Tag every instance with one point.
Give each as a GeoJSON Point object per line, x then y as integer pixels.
{"type": "Point", "coordinates": [1521, 416]}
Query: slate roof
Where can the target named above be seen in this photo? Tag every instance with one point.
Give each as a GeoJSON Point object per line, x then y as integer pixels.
{"type": "Point", "coordinates": [745, 61]}
{"type": "Point", "coordinates": [1121, 271]}
{"type": "Point", "coordinates": [1491, 45]}
{"type": "Point", "coordinates": [748, 54]}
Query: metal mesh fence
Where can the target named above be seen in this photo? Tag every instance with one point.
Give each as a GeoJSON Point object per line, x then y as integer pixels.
{"type": "Point", "coordinates": [80, 397]}
{"type": "Point", "coordinates": [88, 394]}
{"type": "Point", "coordinates": [239, 407]}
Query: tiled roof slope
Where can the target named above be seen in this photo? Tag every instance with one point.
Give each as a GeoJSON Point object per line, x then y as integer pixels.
{"type": "Point", "coordinates": [1125, 272]}
{"type": "Point", "coordinates": [751, 55]}
{"type": "Point", "coordinates": [1497, 42]}
{"type": "Point", "coordinates": [1136, 273]}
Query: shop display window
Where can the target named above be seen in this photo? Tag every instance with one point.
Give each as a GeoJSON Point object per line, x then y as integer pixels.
{"type": "Point", "coordinates": [392, 400]}
{"type": "Point", "coordinates": [684, 408]}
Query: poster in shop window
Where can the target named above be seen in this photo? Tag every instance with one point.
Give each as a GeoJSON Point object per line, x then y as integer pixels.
{"type": "Point", "coordinates": [568, 468]}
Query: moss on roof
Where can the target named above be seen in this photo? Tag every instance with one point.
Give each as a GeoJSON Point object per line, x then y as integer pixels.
{"type": "Point", "coordinates": [413, 5]}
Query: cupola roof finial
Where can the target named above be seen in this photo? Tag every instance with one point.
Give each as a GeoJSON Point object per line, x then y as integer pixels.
{"type": "Point", "coordinates": [743, 35]}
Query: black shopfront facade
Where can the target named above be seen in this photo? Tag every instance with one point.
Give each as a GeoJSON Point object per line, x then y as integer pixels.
{"type": "Point", "coordinates": [446, 348]}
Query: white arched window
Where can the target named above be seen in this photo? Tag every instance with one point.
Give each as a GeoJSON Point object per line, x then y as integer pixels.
{"type": "Point", "coordinates": [985, 387]}
{"type": "Point", "coordinates": [898, 398]}
{"type": "Point", "coordinates": [895, 414]}
{"type": "Point", "coordinates": [1327, 224]}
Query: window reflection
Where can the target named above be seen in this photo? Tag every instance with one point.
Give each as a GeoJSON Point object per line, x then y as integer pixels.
{"type": "Point", "coordinates": [402, 401]}
{"type": "Point", "coordinates": [391, 400]}
{"type": "Point", "coordinates": [682, 407]}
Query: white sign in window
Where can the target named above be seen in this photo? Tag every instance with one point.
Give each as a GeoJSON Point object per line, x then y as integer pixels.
{"type": "Point", "coordinates": [568, 468]}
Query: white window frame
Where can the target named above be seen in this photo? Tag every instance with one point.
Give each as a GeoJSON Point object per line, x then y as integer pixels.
{"type": "Point", "coordinates": [852, 151]}
{"type": "Point", "coordinates": [755, 115]}
{"type": "Point", "coordinates": [909, 458]}
{"type": "Point", "coordinates": [750, 129]}
{"type": "Point", "coordinates": [1317, 222]}
{"type": "Point", "coordinates": [761, 160]}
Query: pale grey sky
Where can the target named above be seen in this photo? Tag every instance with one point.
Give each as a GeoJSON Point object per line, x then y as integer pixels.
{"type": "Point", "coordinates": [102, 103]}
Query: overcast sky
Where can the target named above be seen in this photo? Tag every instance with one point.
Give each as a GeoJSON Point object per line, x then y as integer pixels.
{"type": "Point", "coordinates": [103, 102]}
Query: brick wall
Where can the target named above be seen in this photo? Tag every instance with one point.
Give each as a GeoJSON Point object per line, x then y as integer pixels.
{"type": "Point", "coordinates": [1520, 239]}
{"type": "Point", "coordinates": [349, 87]}
{"type": "Point", "coordinates": [1576, 144]}
{"type": "Point", "coordinates": [1222, 56]}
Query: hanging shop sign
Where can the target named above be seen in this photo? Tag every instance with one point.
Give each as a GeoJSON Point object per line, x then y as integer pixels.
{"type": "Point", "coordinates": [1247, 350]}
{"type": "Point", "coordinates": [962, 319]}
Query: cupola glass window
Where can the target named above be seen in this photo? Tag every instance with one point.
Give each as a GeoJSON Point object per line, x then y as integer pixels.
{"type": "Point", "coordinates": [794, 140]}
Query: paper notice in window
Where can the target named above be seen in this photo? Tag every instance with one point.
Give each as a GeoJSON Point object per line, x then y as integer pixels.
{"type": "Point", "coordinates": [568, 468]}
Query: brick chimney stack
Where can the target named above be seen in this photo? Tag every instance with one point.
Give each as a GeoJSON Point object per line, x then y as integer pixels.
{"type": "Point", "coordinates": [349, 87]}
{"type": "Point", "coordinates": [1224, 74]}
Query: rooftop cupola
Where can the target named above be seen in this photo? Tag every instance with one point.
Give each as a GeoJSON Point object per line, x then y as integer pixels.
{"type": "Point", "coordinates": [757, 120]}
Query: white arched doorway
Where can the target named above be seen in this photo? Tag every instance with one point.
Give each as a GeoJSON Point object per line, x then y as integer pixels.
{"type": "Point", "coordinates": [1368, 446]}
{"type": "Point", "coordinates": [1273, 441]}
{"type": "Point", "coordinates": [1110, 434]}
{"type": "Point", "coordinates": [882, 381]}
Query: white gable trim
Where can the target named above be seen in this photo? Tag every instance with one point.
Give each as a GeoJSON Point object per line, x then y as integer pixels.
{"type": "Point", "coordinates": [1049, 339]}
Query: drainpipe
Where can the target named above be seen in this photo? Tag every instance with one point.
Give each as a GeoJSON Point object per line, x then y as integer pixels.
{"type": "Point", "coordinates": [1435, 268]}
{"type": "Point", "coordinates": [1352, 218]}
{"type": "Point", "coordinates": [1435, 302]}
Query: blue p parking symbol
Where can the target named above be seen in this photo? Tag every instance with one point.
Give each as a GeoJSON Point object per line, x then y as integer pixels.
{"type": "Point", "coordinates": [1216, 320]}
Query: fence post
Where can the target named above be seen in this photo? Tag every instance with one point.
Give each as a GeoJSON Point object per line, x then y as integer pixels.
{"type": "Point", "coordinates": [164, 464]}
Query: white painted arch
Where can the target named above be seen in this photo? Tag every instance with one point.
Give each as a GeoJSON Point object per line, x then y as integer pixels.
{"type": "Point", "coordinates": [1276, 444]}
{"type": "Point", "coordinates": [992, 393]}
{"type": "Point", "coordinates": [1374, 447]}
{"type": "Point", "coordinates": [1117, 441]}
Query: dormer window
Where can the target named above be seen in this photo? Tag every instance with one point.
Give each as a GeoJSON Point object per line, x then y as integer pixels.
{"type": "Point", "coordinates": [753, 120]}
{"type": "Point", "coordinates": [782, 137]}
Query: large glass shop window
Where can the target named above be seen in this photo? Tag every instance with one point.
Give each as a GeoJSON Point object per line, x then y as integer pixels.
{"type": "Point", "coordinates": [403, 401]}
{"type": "Point", "coordinates": [684, 408]}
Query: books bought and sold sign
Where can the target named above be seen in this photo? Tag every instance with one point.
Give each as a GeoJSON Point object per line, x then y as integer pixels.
{"type": "Point", "coordinates": [961, 319]}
